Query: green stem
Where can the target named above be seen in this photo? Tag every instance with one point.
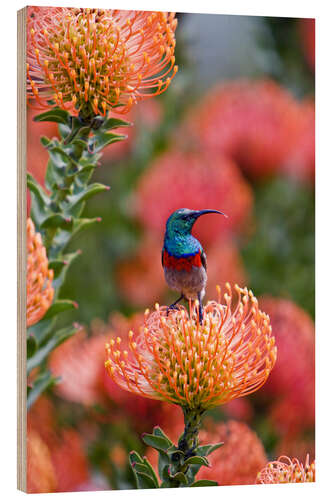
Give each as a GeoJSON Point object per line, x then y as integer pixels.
{"type": "Point", "coordinates": [188, 442]}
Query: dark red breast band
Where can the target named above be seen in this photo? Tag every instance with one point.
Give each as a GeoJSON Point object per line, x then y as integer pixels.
{"type": "Point", "coordinates": [181, 263]}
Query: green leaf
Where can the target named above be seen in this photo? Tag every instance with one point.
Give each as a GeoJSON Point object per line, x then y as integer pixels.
{"type": "Point", "coordinates": [104, 139]}
{"type": "Point", "coordinates": [54, 115]}
{"type": "Point", "coordinates": [57, 339]}
{"type": "Point", "coordinates": [66, 261]}
{"type": "Point", "coordinates": [87, 193]}
{"type": "Point", "coordinates": [151, 470]}
{"type": "Point", "coordinates": [41, 197]}
{"type": "Point", "coordinates": [157, 431]}
{"type": "Point", "coordinates": [180, 477]}
{"type": "Point", "coordinates": [207, 449]}
{"type": "Point", "coordinates": [135, 458]}
{"type": "Point", "coordinates": [56, 221]}
{"type": "Point", "coordinates": [196, 460]}
{"type": "Point", "coordinates": [163, 462]}
{"type": "Point", "coordinates": [145, 482]}
{"type": "Point", "coordinates": [112, 123]}
{"type": "Point", "coordinates": [157, 442]}
{"type": "Point", "coordinates": [43, 382]}
{"type": "Point", "coordinates": [31, 345]}
{"type": "Point", "coordinates": [203, 482]}
{"type": "Point", "coordinates": [60, 306]}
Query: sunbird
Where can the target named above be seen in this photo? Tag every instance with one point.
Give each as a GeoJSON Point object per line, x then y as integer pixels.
{"type": "Point", "coordinates": [183, 258]}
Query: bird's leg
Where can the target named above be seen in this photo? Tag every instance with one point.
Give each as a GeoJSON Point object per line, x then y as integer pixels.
{"type": "Point", "coordinates": [174, 305]}
{"type": "Point", "coordinates": [200, 308]}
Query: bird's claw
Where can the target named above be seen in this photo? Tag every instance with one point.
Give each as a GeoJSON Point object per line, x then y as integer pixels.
{"type": "Point", "coordinates": [172, 308]}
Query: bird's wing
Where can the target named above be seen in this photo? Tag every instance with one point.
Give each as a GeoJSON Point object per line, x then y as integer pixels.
{"type": "Point", "coordinates": [203, 259]}
{"type": "Point", "coordinates": [162, 255]}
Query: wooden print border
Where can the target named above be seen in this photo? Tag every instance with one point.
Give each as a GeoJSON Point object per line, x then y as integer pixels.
{"type": "Point", "coordinates": [21, 251]}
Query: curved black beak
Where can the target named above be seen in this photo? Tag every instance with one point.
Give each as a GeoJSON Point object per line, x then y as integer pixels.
{"type": "Point", "coordinates": [208, 211]}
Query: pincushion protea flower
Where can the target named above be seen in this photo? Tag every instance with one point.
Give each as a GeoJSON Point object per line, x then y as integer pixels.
{"type": "Point", "coordinates": [286, 470]}
{"type": "Point", "coordinates": [197, 180]}
{"type": "Point", "coordinates": [239, 459]}
{"type": "Point", "coordinates": [39, 277]}
{"type": "Point", "coordinates": [291, 388]}
{"type": "Point", "coordinates": [198, 366]}
{"type": "Point", "coordinates": [88, 61]}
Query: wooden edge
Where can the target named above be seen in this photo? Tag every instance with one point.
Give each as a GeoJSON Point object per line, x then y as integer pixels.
{"type": "Point", "coordinates": [21, 251]}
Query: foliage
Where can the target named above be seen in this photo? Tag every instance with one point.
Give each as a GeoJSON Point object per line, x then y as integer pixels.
{"type": "Point", "coordinates": [57, 215]}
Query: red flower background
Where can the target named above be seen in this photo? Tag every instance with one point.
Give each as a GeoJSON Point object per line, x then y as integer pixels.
{"type": "Point", "coordinates": [241, 147]}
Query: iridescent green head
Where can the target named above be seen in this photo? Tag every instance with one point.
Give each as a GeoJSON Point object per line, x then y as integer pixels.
{"type": "Point", "coordinates": [181, 221]}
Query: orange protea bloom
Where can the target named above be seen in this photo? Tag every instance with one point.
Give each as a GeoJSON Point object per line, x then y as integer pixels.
{"type": "Point", "coordinates": [198, 366]}
{"type": "Point", "coordinates": [196, 180]}
{"type": "Point", "coordinates": [140, 279]}
{"type": "Point", "coordinates": [291, 387]}
{"type": "Point", "coordinates": [41, 476]}
{"type": "Point", "coordinates": [63, 448]}
{"type": "Point", "coordinates": [240, 457]}
{"type": "Point", "coordinates": [253, 122]}
{"type": "Point", "coordinates": [39, 277]}
{"type": "Point", "coordinates": [286, 470]}
{"type": "Point", "coordinates": [88, 61]}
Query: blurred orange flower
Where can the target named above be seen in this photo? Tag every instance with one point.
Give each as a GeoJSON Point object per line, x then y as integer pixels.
{"type": "Point", "coordinates": [140, 279]}
{"type": "Point", "coordinates": [198, 366]}
{"type": "Point", "coordinates": [79, 363]}
{"type": "Point", "coordinates": [57, 457]}
{"type": "Point", "coordinates": [300, 161]}
{"type": "Point", "coordinates": [296, 446]}
{"type": "Point", "coordinates": [41, 477]}
{"type": "Point", "coordinates": [39, 277]}
{"type": "Point", "coordinates": [252, 121]}
{"type": "Point", "coordinates": [239, 459]}
{"type": "Point", "coordinates": [224, 265]}
{"type": "Point", "coordinates": [89, 61]}
{"type": "Point", "coordinates": [257, 123]}
{"type": "Point", "coordinates": [291, 384]}
{"type": "Point", "coordinates": [196, 181]}
{"type": "Point", "coordinates": [286, 470]}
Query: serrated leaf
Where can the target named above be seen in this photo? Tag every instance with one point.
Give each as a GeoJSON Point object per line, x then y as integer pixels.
{"type": "Point", "coordinates": [203, 482]}
{"type": "Point", "coordinates": [156, 442]}
{"type": "Point", "coordinates": [60, 306]}
{"type": "Point", "coordinates": [54, 115]}
{"type": "Point", "coordinates": [197, 460]}
{"type": "Point", "coordinates": [56, 339]}
{"type": "Point", "coordinates": [43, 382]}
{"type": "Point", "coordinates": [207, 449]}
{"type": "Point", "coordinates": [56, 221]}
